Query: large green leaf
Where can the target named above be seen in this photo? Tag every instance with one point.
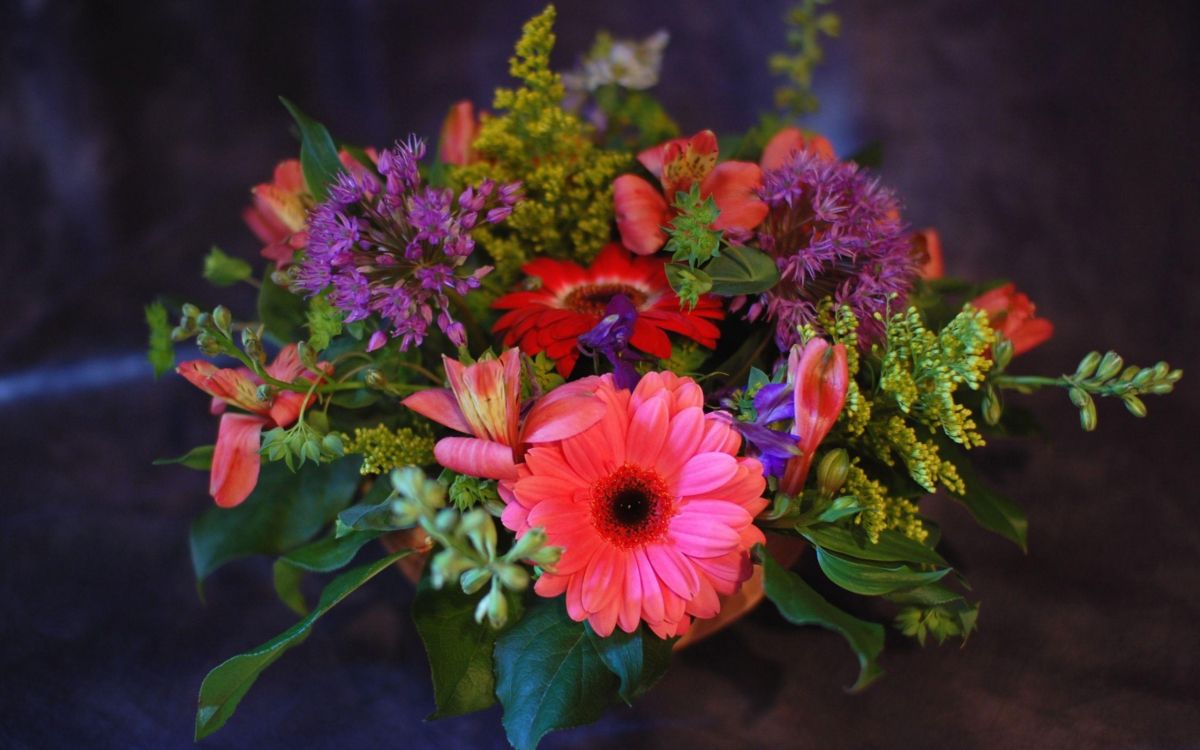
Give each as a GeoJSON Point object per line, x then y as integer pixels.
{"type": "Point", "coordinates": [891, 547]}
{"type": "Point", "coordinates": [199, 458]}
{"type": "Point", "coordinates": [226, 685]}
{"type": "Point", "coordinates": [318, 154]}
{"type": "Point", "coordinates": [322, 556]}
{"type": "Point", "coordinates": [872, 578]}
{"type": "Point", "coordinates": [285, 510]}
{"type": "Point", "coordinates": [281, 312]}
{"type": "Point", "coordinates": [549, 676]}
{"type": "Point", "coordinates": [459, 649]}
{"type": "Point", "coordinates": [801, 605]}
{"type": "Point", "coordinates": [640, 659]}
{"type": "Point", "coordinates": [742, 270]}
{"type": "Point", "coordinates": [992, 510]}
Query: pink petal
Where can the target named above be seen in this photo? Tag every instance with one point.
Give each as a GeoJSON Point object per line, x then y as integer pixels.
{"type": "Point", "coordinates": [534, 490]}
{"type": "Point", "coordinates": [287, 366]}
{"type": "Point", "coordinates": [683, 438]}
{"type": "Point", "coordinates": [734, 185]}
{"type": "Point", "coordinates": [550, 585]}
{"type": "Point", "coordinates": [631, 598]}
{"type": "Point", "coordinates": [674, 570]}
{"type": "Point", "coordinates": [719, 511]}
{"type": "Point", "coordinates": [235, 459]}
{"type": "Point", "coordinates": [439, 405]}
{"type": "Point", "coordinates": [605, 620]}
{"type": "Point", "coordinates": [478, 458]}
{"type": "Point", "coordinates": [602, 581]}
{"type": "Point", "coordinates": [575, 608]}
{"type": "Point", "coordinates": [515, 517]}
{"type": "Point", "coordinates": [651, 586]}
{"type": "Point", "coordinates": [704, 472]}
{"type": "Point", "coordinates": [641, 214]}
{"type": "Point", "coordinates": [285, 409]}
{"type": "Point", "coordinates": [647, 432]}
{"type": "Point", "coordinates": [561, 418]}
{"type": "Point", "coordinates": [696, 536]}
{"type": "Point", "coordinates": [705, 604]}
{"type": "Point", "coordinates": [548, 461]}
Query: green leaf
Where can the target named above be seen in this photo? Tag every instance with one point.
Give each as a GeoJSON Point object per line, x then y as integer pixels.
{"type": "Point", "coordinates": [223, 270]}
{"type": "Point", "coordinates": [801, 605]}
{"type": "Point", "coordinates": [161, 352]}
{"type": "Point", "coordinates": [318, 155]}
{"type": "Point", "coordinates": [549, 676]}
{"type": "Point", "coordinates": [199, 458]}
{"type": "Point", "coordinates": [374, 513]}
{"type": "Point", "coordinates": [322, 556]}
{"type": "Point", "coordinates": [324, 322]}
{"type": "Point", "coordinates": [640, 659]}
{"type": "Point", "coordinates": [992, 510]}
{"type": "Point", "coordinates": [742, 270]}
{"type": "Point", "coordinates": [459, 649]}
{"type": "Point", "coordinates": [840, 508]}
{"type": "Point", "coordinates": [873, 579]}
{"type": "Point", "coordinates": [226, 685]}
{"type": "Point", "coordinates": [285, 510]}
{"type": "Point", "coordinates": [281, 312]}
{"type": "Point", "coordinates": [869, 156]}
{"type": "Point", "coordinates": [925, 596]}
{"type": "Point", "coordinates": [891, 547]}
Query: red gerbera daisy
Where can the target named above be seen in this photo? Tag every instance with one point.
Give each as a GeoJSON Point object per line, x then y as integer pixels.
{"type": "Point", "coordinates": [572, 300]}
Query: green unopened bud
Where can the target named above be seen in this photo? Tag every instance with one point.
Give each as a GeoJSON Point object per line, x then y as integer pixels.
{"type": "Point", "coordinates": [190, 311]}
{"type": "Point", "coordinates": [1110, 365]}
{"type": "Point", "coordinates": [281, 278]}
{"type": "Point", "coordinates": [514, 577]}
{"type": "Point", "coordinates": [993, 407]}
{"type": "Point", "coordinates": [1087, 365]}
{"type": "Point", "coordinates": [222, 318]}
{"type": "Point", "coordinates": [208, 344]}
{"type": "Point", "coordinates": [180, 333]}
{"type": "Point", "coordinates": [264, 393]}
{"type": "Point", "coordinates": [203, 319]}
{"type": "Point", "coordinates": [1002, 353]}
{"type": "Point", "coordinates": [1158, 389]}
{"type": "Point", "coordinates": [526, 545]}
{"type": "Point", "coordinates": [1079, 397]}
{"type": "Point", "coordinates": [494, 607]}
{"type": "Point", "coordinates": [1135, 406]}
{"type": "Point", "coordinates": [252, 344]}
{"type": "Point", "coordinates": [546, 557]}
{"type": "Point", "coordinates": [1142, 377]}
{"type": "Point", "coordinates": [311, 450]}
{"type": "Point", "coordinates": [481, 530]}
{"type": "Point", "coordinates": [375, 379]}
{"type": "Point", "coordinates": [332, 443]}
{"type": "Point", "coordinates": [406, 512]}
{"type": "Point", "coordinates": [1129, 373]}
{"type": "Point", "coordinates": [832, 471]}
{"type": "Point", "coordinates": [475, 579]}
{"type": "Point", "coordinates": [446, 520]}
{"type": "Point", "coordinates": [446, 566]}
{"type": "Point", "coordinates": [1087, 416]}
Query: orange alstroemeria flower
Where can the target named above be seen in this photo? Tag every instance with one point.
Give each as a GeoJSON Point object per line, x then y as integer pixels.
{"type": "Point", "coordinates": [643, 209]}
{"type": "Point", "coordinates": [788, 141]}
{"type": "Point", "coordinates": [236, 459]}
{"type": "Point", "coordinates": [927, 249]}
{"type": "Point", "coordinates": [1012, 313]}
{"type": "Point", "coordinates": [459, 130]}
{"type": "Point", "coordinates": [820, 375]}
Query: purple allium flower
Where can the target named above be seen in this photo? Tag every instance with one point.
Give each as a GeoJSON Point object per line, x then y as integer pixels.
{"type": "Point", "coordinates": [834, 232]}
{"type": "Point", "coordinates": [396, 248]}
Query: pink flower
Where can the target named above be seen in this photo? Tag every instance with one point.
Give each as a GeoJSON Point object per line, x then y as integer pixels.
{"type": "Point", "coordinates": [927, 248]}
{"type": "Point", "coordinates": [459, 130]}
{"type": "Point", "coordinates": [236, 458]}
{"type": "Point", "coordinates": [820, 376]}
{"type": "Point", "coordinates": [1012, 313]}
{"type": "Point", "coordinates": [651, 504]}
{"type": "Point", "coordinates": [484, 401]}
{"type": "Point", "coordinates": [643, 210]}
{"type": "Point", "coordinates": [788, 141]}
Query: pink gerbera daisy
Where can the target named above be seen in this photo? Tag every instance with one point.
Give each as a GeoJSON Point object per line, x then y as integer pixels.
{"type": "Point", "coordinates": [652, 505]}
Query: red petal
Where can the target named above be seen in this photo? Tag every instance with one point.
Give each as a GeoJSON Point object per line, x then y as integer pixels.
{"type": "Point", "coordinates": [235, 459]}
{"type": "Point", "coordinates": [439, 405]}
{"type": "Point", "coordinates": [732, 185]}
{"type": "Point", "coordinates": [788, 141]}
{"type": "Point", "coordinates": [458, 132]}
{"type": "Point", "coordinates": [650, 339]}
{"type": "Point", "coordinates": [641, 213]}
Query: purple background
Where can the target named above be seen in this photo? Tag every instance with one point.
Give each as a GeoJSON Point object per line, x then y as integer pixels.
{"type": "Point", "coordinates": [1055, 145]}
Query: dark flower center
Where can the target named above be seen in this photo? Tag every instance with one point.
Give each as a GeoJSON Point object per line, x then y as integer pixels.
{"type": "Point", "coordinates": [593, 299]}
{"type": "Point", "coordinates": [632, 506]}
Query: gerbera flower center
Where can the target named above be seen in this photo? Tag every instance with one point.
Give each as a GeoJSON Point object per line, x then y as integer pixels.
{"type": "Point", "coordinates": [593, 299]}
{"type": "Point", "coordinates": [632, 506]}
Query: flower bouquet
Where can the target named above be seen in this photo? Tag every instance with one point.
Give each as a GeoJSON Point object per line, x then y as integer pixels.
{"type": "Point", "coordinates": [595, 386]}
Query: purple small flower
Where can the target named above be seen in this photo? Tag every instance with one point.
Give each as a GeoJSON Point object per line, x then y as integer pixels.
{"type": "Point", "coordinates": [610, 337]}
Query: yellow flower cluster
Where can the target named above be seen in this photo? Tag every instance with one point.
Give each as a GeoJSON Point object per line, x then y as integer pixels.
{"type": "Point", "coordinates": [567, 179]}
{"type": "Point", "coordinates": [384, 449]}
{"type": "Point", "coordinates": [896, 438]}
{"type": "Point", "coordinates": [881, 511]}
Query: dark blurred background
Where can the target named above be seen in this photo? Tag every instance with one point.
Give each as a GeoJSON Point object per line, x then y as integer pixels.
{"type": "Point", "coordinates": [1052, 143]}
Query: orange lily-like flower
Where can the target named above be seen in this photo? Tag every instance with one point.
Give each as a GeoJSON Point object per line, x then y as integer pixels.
{"type": "Point", "coordinates": [643, 210]}
{"type": "Point", "coordinates": [927, 249]}
{"type": "Point", "coordinates": [820, 376]}
{"type": "Point", "coordinates": [236, 459]}
{"type": "Point", "coordinates": [484, 400]}
{"type": "Point", "coordinates": [1012, 314]}
{"type": "Point", "coordinates": [788, 141]}
{"type": "Point", "coordinates": [459, 131]}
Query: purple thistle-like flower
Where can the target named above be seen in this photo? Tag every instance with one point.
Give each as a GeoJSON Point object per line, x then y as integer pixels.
{"type": "Point", "coordinates": [395, 248]}
{"type": "Point", "coordinates": [834, 232]}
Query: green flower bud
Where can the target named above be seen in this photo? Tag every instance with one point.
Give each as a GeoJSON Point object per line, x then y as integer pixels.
{"type": "Point", "coordinates": [993, 407]}
{"type": "Point", "coordinates": [526, 545]}
{"type": "Point", "coordinates": [1087, 365]}
{"type": "Point", "coordinates": [1002, 353]}
{"type": "Point", "coordinates": [375, 379]}
{"type": "Point", "coordinates": [1087, 416]}
{"type": "Point", "coordinates": [445, 566]}
{"type": "Point", "coordinates": [1135, 406]}
{"type": "Point", "coordinates": [475, 579]}
{"type": "Point", "coordinates": [222, 317]}
{"type": "Point", "coordinates": [832, 471]}
{"type": "Point", "coordinates": [281, 279]}
{"type": "Point", "coordinates": [180, 333]}
{"type": "Point", "coordinates": [311, 450]}
{"type": "Point", "coordinates": [208, 344]}
{"type": "Point", "coordinates": [493, 606]}
{"type": "Point", "coordinates": [513, 577]}
{"type": "Point", "coordinates": [1159, 389]}
{"type": "Point", "coordinates": [264, 393]}
{"type": "Point", "coordinates": [1079, 397]}
{"type": "Point", "coordinates": [1142, 377]}
{"type": "Point", "coordinates": [546, 557]}
{"type": "Point", "coordinates": [332, 443]}
{"type": "Point", "coordinates": [446, 520]}
{"type": "Point", "coordinates": [481, 530]}
{"type": "Point", "coordinates": [1110, 365]}
{"type": "Point", "coordinates": [203, 319]}
{"type": "Point", "coordinates": [406, 512]}
{"type": "Point", "coordinates": [190, 311]}
{"type": "Point", "coordinates": [1128, 373]}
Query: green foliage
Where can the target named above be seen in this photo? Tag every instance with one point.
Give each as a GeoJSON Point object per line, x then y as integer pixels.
{"type": "Point", "coordinates": [543, 373]}
{"type": "Point", "coordinates": [742, 270]}
{"type": "Point", "coordinates": [566, 178]}
{"type": "Point", "coordinates": [639, 659]}
{"type": "Point", "coordinates": [223, 270]}
{"type": "Point", "coordinates": [956, 617]}
{"type": "Point", "coordinates": [990, 509]}
{"type": "Point", "coordinates": [199, 458]}
{"type": "Point", "coordinates": [891, 546]}
{"type": "Point", "coordinates": [281, 312]}
{"type": "Point", "coordinates": [691, 238]}
{"type": "Point", "coordinates": [690, 284]}
{"type": "Point", "coordinates": [161, 352]}
{"type": "Point", "coordinates": [227, 684]}
{"type": "Point", "coordinates": [635, 119]}
{"type": "Point", "coordinates": [324, 322]}
{"type": "Point", "coordinates": [801, 605]}
{"type": "Point", "coordinates": [318, 155]}
{"type": "Point", "coordinates": [873, 578]}
{"type": "Point", "coordinates": [459, 650]}
{"type": "Point", "coordinates": [301, 443]}
{"type": "Point", "coordinates": [322, 556]}
{"type": "Point", "coordinates": [284, 511]}
{"type": "Point", "coordinates": [467, 492]}
{"type": "Point", "coordinates": [807, 22]}
{"type": "Point", "coordinates": [550, 676]}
